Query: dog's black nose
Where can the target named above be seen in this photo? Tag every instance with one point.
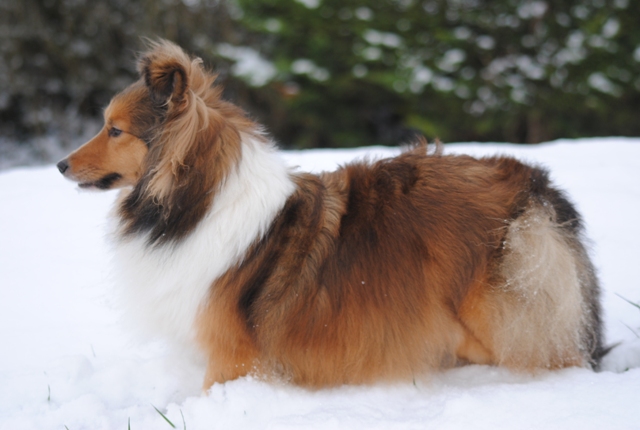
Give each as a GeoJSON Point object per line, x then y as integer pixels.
{"type": "Point", "coordinates": [63, 166]}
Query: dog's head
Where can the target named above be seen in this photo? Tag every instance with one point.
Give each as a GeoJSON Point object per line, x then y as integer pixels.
{"type": "Point", "coordinates": [148, 113]}
{"type": "Point", "coordinates": [115, 156]}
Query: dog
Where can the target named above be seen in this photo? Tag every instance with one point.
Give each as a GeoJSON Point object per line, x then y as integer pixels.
{"type": "Point", "coordinates": [383, 270]}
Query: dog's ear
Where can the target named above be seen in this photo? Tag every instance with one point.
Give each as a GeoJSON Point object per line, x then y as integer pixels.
{"type": "Point", "coordinates": [165, 75]}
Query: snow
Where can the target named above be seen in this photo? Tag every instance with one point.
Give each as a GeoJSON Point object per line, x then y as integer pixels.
{"type": "Point", "coordinates": [304, 66]}
{"type": "Point", "coordinates": [249, 64]}
{"type": "Point", "coordinates": [310, 4]}
{"type": "Point", "coordinates": [67, 360]}
{"type": "Point", "coordinates": [376, 37]}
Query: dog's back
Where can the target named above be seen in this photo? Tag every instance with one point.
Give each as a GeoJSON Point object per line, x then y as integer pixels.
{"type": "Point", "coordinates": [385, 270]}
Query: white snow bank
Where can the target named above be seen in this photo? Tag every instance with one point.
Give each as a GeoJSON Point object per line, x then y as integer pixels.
{"type": "Point", "coordinates": [66, 361]}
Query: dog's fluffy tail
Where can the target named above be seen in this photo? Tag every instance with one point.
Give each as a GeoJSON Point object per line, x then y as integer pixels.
{"type": "Point", "coordinates": [547, 310]}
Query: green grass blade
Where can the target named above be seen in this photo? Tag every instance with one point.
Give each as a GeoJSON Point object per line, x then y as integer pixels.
{"type": "Point", "coordinates": [628, 301]}
{"type": "Point", "coordinates": [632, 330]}
{"type": "Point", "coordinates": [164, 416]}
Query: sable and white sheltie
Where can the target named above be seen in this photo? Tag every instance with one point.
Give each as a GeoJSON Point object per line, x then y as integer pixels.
{"type": "Point", "coordinates": [380, 271]}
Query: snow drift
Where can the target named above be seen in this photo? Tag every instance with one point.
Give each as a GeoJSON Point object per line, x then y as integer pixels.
{"type": "Point", "coordinates": [68, 361]}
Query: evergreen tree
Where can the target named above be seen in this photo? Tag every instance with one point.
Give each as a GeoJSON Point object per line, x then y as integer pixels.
{"type": "Point", "coordinates": [328, 73]}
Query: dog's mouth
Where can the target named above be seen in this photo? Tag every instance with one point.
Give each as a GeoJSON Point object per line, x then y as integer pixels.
{"type": "Point", "coordinates": [87, 185]}
{"type": "Point", "coordinates": [103, 183]}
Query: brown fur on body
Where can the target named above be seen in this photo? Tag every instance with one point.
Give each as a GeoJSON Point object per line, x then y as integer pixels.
{"type": "Point", "coordinates": [380, 270]}
{"type": "Point", "coordinates": [387, 271]}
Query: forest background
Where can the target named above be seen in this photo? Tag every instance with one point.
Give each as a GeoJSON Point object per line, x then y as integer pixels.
{"type": "Point", "coordinates": [333, 73]}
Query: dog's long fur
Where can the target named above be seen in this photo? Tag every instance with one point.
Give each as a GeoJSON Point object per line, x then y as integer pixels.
{"type": "Point", "coordinates": [381, 270]}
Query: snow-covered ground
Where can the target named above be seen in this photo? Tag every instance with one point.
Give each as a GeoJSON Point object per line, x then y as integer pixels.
{"type": "Point", "coordinates": [66, 361]}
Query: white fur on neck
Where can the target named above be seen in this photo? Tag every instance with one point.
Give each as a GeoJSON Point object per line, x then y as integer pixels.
{"type": "Point", "coordinates": [165, 286]}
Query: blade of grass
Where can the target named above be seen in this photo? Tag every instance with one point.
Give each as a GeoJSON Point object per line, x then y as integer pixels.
{"type": "Point", "coordinates": [628, 301]}
{"type": "Point", "coordinates": [164, 416]}
{"type": "Point", "coordinates": [632, 330]}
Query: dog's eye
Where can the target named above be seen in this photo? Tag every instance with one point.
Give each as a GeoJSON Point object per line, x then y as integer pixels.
{"type": "Point", "coordinates": [114, 132]}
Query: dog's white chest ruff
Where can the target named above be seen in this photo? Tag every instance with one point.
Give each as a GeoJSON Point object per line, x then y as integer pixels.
{"type": "Point", "coordinates": [163, 287]}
